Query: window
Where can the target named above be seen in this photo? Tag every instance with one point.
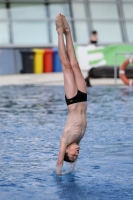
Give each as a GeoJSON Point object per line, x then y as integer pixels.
{"type": "Point", "coordinates": [30, 27]}
{"type": "Point", "coordinates": [28, 11]}
{"type": "Point", "coordinates": [56, 8]}
{"type": "Point", "coordinates": [127, 0]}
{"type": "Point", "coordinates": [33, 21]}
{"type": "Point", "coordinates": [108, 32]}
{"type": "Point", "coordinates": [30, 33]}
{"type": "Point", "coordinates": [4, 33]}
{"type": "Point", "coordinates": [81, 32]}
{"type": "Point", "coordinates": [78, 10]}
{"type": "Point", "coordinates": [128, 11]}
{"type": "Point", "coordinates": [104, 11]}
{"type": "Point", "coordinates": [129, 27]}
{"type": "Point", "coordinates": [3, 11]}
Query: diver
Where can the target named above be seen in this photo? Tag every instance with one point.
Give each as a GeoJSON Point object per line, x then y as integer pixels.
{"type": "Point", "coordinates": [75, 95]}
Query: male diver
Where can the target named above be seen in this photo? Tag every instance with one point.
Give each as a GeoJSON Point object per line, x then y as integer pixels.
{"type": "Point", "coordinates": [75, 95]}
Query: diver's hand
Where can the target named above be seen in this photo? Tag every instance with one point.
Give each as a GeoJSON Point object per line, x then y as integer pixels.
{"type": "Point", "coordinates": [60, 159]}
{"type": "Point", "coordinates": [58, 169]}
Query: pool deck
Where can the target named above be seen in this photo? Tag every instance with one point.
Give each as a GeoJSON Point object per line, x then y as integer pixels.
{"type": "Point", "coordinates": [50, 79]}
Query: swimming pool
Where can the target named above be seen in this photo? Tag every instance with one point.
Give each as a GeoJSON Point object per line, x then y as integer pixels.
{"type": "Point", "coordinates": [31, 123]}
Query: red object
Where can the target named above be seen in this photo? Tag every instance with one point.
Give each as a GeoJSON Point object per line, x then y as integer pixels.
{"type": "Point", "coordinates": [48, 60]}
{"type": "Point", "coordinates": [122, 72]}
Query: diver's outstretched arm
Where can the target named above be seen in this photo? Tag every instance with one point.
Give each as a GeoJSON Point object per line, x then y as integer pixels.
{"type": "Point", "coordinates": [60, 160]}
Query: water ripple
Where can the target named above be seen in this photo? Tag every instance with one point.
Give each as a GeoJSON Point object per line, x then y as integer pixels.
{"type": "Point", "coordinates": [31, 123]}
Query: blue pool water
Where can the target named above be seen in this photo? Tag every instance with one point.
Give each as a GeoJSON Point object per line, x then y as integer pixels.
{"type": "Point", "coordinates": [31, 123]}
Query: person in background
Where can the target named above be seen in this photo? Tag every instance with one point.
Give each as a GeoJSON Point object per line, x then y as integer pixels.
{"type": "Point", "coordinates": [94, 38]}
{"type": "Point", "coordinates": [90, 75]}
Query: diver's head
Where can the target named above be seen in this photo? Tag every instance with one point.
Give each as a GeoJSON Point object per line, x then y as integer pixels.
{"type": "Point", "coordinates": [72, 152]}
{"type": "Point", "coordinates": [94, 32]}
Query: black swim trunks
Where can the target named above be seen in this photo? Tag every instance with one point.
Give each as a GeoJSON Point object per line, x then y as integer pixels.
{"type": "Point", "coordinates": [80, 97]}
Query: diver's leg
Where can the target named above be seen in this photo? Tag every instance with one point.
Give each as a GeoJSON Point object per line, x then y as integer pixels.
{"type": "Point", "coordinates": [80, 82]}
{"type": "Point", "coordinates": [69, 80]}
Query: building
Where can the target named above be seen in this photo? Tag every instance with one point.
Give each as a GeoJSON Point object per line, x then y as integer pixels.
{"type": "Point", "coordinates": [31, 22]}
{"type": "Point", "coordinates": [28, 24]}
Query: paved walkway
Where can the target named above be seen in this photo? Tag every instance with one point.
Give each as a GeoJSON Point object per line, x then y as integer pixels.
{"type": "Point", "coordinates": [49, 79]}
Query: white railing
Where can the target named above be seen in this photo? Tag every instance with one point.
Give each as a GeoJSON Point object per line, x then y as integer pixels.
{"type": "Point", "coordinates": [128, 54]}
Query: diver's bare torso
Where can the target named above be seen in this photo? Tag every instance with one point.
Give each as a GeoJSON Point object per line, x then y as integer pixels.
{"type": "Point", "coordinates": [76, 123]}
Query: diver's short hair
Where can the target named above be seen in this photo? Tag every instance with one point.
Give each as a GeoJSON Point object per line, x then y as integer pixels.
{"type": "Point", "coordinates": [94, 32]}
{"type": "Point", "coordinates": [66, 158]}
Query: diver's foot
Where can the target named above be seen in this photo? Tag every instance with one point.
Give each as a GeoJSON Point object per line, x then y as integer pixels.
{"type": "Point", "coordinates": [59, 24]}
{"type": "Point", "coordinates": [66, 25]}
